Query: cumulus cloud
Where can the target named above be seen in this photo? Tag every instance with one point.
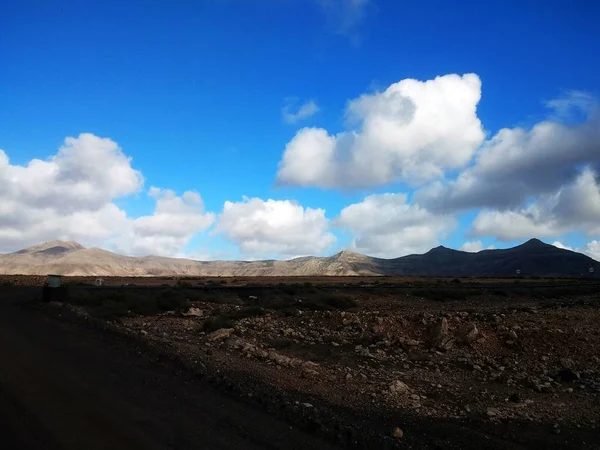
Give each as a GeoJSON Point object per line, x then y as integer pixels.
{"type": "Point", "coordinates": [517, 164]}
{"type": "Point", "coordinates": [575, 206]}
{"type": "Point", "coordinates": [176, 219]}
{"type": "Point", "coordinates": [71, 196]}
{"type": "Point", "coordinates": [306, 110]}
{"type": "Point", "coordinates": [475, 246]}
{"type": "Point", "coordinates": [412, 132]}
{"type": "Point", "coordinates": [388, 226]}
{"type": "Point", "coordinates": [85, 174]}
{"type": "Point", "coordinates": [563, 246]}
{"type": "Point", "coordinates": [592, 248]}
{"type": "Point", "coordinates": [265, 227]}
{"type": "Point", "coordinates": [472, 246]}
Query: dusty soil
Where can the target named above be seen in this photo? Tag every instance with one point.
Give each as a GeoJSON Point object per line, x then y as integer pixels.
{"type": "Point", "coordinates": [453, 364]}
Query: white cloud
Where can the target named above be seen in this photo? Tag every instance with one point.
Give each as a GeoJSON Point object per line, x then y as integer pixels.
{"type": "Point", "coordinates": [306, 110]}
{"type": "Point", "coordinates": [70, 196]}
{"type": "Point", "coordinates": [85, 174]}
{"type": "Point", "coordinates": [575, 206]}
{"type": "Point", "coordinates": [344, 15]}
{"type": "Point", "coordinates": [591, 249]}
{"type": "Point", "coordinates": [561, 245]}
{"type": "Point", "coordinates": [572, 101]}
{"type": "Point", "coordinates": [472, 246]}
{"type": "Point", "coordinates": [517, 164]}
{"type": "Point", "coordinates": [388, 226]}
{"type": "Point", "coordinates": [174, 222]}
{"type": "Point", "coordinates": [412, 132]}
{"type": "Point", "coordinates": [475, 246]}
{"type": "Point", "coordinates": [261, 228]}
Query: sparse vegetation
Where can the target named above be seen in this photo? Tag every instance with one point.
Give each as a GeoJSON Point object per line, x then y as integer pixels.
{"type": "Point", "coordinates": [184, 284]}
{"type": "Point", "coordinates": [328, 302]}
{"type": "Point", "coordinates": [444, 294]}
{"type": "Point", "coordinates": [216, 323]}
{"type": "Point", "coordinates": [248, 311]}
{"type": "Point", "coordinates": [112, 305]}
{"type": "Point", "coordinates": [499, 293]}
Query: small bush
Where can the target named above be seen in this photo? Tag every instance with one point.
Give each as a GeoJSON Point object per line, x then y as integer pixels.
{"type": "Point", "coordinates": [289, 312]}
{"type": "Point", "coordinates": [216, 323]}
{"type": "Point", "coordinates": [82, 297]}
{"type": "Point", "coordinates": [561, 292]}
{"type": "Point", "coordinates": [110, 309]}
{"type": "Point", "coordinates": [329, 303]}
{"type": "Point", "coordinates": [280, 343]}
{"type": "Point", "coordinates": [171, 300]}
{"type": "Point", "coordinates": [499, 293]}
{"type": "Point", "coordinates": [443, 294]}
{"type": "Point", "coordinates": [126, 302]}
{"type": "Point", "coordinates": [249, 311]}
{"type": "Point", "coordinates": [289, 289]}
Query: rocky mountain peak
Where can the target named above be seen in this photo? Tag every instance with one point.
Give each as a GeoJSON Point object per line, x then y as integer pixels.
{"type": "Point", "coordinates": [55, 246]}
{"type": "Point", "coordinates": [347, 255]}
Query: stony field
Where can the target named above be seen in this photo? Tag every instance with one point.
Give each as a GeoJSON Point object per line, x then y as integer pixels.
{"type": "Point", "coordinates": [518, 357]}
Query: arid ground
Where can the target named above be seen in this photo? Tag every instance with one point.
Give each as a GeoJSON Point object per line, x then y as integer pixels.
{"type": "Point", "coordinates": [370, 362]}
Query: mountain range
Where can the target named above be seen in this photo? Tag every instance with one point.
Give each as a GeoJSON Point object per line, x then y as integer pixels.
{"type": "Point", "coordinates": [532, 258]}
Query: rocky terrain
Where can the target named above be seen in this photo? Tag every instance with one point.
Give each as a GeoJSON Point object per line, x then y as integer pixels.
{"type": "Point", "coordinates": [488, 355]}
{"type": "Point", "coordinates": [533, 258]}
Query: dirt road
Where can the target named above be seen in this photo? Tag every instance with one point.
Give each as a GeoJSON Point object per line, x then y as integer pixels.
{"type": "Point", "coordinates": [64, 388]}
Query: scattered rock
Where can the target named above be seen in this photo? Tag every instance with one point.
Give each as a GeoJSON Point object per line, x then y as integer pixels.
{"type": "Point", "coordinates": [438, 332]}
{"type": "Point", "coordinates": [398, 387]}
{"type": "Point", "coordinates": [492, 412]}
{"type": "Point", "coordinates": [310, 368]}
{"type": "Point", "coordinates": [397, 433]}
{"type": "Point", "coordinates": [566, 363]}
{"type": "Point", "coordinates": [220, 334]}
{"type": "Point", "coordinates": [194, 312]}
{"type": "Point", "coordinates": [470, 333]}
{"type": "Point", "coordinates": [438, 335]}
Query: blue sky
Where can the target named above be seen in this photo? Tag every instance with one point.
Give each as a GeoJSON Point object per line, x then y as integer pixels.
{"type": "Point", "coordinates": [195, 94]}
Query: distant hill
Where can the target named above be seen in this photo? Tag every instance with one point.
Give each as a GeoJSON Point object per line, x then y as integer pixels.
{"type": "Point", "coordinates": [533, 258]}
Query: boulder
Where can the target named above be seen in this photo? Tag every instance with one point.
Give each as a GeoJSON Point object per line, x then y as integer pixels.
{"type": "Point", "coordinates": [470, 333]}
{"type": "Point", "coordinates": [438, 333]}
